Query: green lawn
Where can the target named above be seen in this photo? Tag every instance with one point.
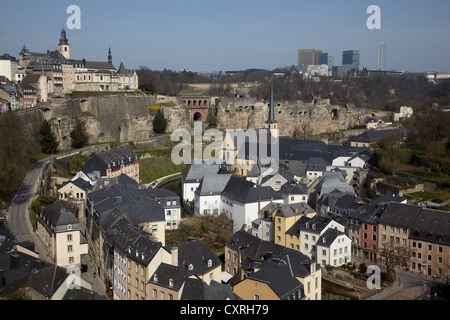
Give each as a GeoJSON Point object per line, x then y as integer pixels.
{"type": "Point", "coordinates": [423, 196]}
{"type": "Point", "coordinates": [151, 169]}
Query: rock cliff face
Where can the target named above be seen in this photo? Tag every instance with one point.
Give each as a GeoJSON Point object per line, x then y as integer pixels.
{"type": "Point", "coordinates": [112, 118]}
{"type": "Point", "coordinates": [127, 118]}
{"type": "Point", "coordinates": [305, 118]}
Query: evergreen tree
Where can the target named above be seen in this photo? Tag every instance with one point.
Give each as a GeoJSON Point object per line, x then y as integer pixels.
{"type": "Point", "coordinates": [79, 135]}
{"type": "Point", "coordinates": [159, 122]}
{"type": "Point", "coordinates": [48, 141]}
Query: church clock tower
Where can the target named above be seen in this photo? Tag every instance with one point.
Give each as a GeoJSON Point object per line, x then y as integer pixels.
{"type": "Point", "coordinates": [64, 46]}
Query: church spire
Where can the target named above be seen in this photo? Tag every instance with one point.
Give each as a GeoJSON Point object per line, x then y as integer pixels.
{"type": "Point", "coordinates": [63, 40]}
{"type": "Point", "coordinates": [271, 107]}
{"type": "Point", "coordinates": [109, 56]}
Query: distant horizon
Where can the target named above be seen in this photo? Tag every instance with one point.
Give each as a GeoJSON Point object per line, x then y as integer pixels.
{"type": "Point", "coordinates": [213, 36]}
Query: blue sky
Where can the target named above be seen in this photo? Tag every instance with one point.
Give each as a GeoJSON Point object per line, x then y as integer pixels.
{"type": "Point", "coordinates": [214, 35]}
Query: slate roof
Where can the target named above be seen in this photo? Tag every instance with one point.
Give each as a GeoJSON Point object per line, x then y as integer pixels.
{"type": "Point", "coordinates": [279, 277]}
{"type": "Point", "coordinates": [370, 135]}
{"type": "Point", "coordinates": [111, 159]}
{"type": "Point", "coordinates": [294, 209]}
{"type": "Point", "coordinates": [432, 226]}
{"type": "Point", "coordinates": [166, 272]}
{"type": "Point", "coordinates": [197, 254]}
{"type": "Point", "coordinates": [213, 184]}
{"type": "Point", "coordinates": [139, 204]}
{"type": "Point", "coordinates": [295, 228]}
{"type": "Point", "coordinates": [245, 191]}
{"type": "Point", "coordinates": [45, 278]}
{"type": "Point", "coordinates": [80, 183]}
{"type": "Point", "coordinates": [197, 289]}
{"type": "Point", "coordinates": [388, 198]}
{"type": "Point", "coordinates": [332, 181]}
{"type": "Point", "coordinates": [252, 247]}
{"type": "Point", "coordinates": [96, 65]}
{"type": "Point", "coordinates": [293, 187]}
{"type": "Point", "coordinates": [82, 294]}
{"type": "Point", "coordinates": [144, 249]}
{"type": "Point", "coordinates": [316, 164]}
{"type": "Point", "coordinates": [315, 224]}
{"type": "Point", "coordinates": [328, 237]}
{"type": "Point", "coordinates": [195, 172]}
{"type": "Point", "coordinates": [368, 213]}
{"type": "Point", "coordinates": [60, 215]}
{"type": "Point", "coordinates": [400, 215]}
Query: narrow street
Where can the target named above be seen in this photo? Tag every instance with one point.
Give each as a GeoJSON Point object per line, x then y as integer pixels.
{"type": "Point", "coordinates": [18, 220]}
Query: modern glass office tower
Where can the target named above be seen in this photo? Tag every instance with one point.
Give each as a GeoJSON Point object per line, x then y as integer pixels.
{"type": "Point", "coordinates": [382, 56]}
{"type": "Point", "coordinates": [351, 57]}
{"type": "Point", "coordinates": [327, 58]}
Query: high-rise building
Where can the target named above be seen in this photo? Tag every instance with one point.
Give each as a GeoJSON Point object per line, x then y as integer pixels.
{"type": "Point", "coordinates": [351, 57]}
{"type": "Point", "coordinates": [327, 58]}
{"type": "Point", "coordinates": [308, 56]}
{"type": "Point", "coordinates": [382, 56]}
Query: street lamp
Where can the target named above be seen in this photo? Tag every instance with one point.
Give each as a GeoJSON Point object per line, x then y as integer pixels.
{"type": "Point", "coordinates": [348, 285]}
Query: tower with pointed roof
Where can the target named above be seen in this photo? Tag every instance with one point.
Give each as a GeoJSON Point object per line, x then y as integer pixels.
{"type": "Point", "coordinates": [271, 123]}
{"type": "Point", "coordinates": [64, 46]}
{"type": "Point", "coordinates": [109, 56]}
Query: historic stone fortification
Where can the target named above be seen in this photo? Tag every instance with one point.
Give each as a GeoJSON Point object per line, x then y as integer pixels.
{"type": "Point", "coordinates": [305, 118]}
{"type": "Point", "coordinates": [113, 118]}
{"type": "Point", "coordinates": [127, 118]}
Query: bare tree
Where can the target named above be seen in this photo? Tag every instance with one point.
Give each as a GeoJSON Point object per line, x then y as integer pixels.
{"type": "Point", "coordinates": [393, 255]}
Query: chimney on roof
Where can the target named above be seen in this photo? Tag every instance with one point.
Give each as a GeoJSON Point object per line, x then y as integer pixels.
{"type": "Point", "coordinates": [174, 256]}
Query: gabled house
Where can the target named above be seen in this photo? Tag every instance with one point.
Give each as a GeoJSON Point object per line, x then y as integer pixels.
{"type": "Point", "coordinates": [333, 248]}
{"type": "Point", "coordinates": [267, 271]}
{"type": "Point", "coordinates": [208, 195]}
{"type": "Point", "coordinates": [242, 200]}
{"type": "Point", "coordinates": [74, 190]}
{"type": "Point", "coordinates": [310, 232]}
{"type": "Point", "coordinates": [275, 219]}
{"type": "Point", "coordinates": [315, 168]}
{"type": "Point", "coordinates": [191, 177]}
{"type": "Point", "coordinates": [197, 259]}
{"type": "Point", "coordinates": [278, 180]}
{"type": "Point", "coordinates": [115, 162]}
{"type": "Point", "coordinates": [60, 231]}
{"type": "Point", "coordinates": [171, 282]}
{"type": "Point", "coordinates": [144, 256]}
{"type": "Point", "coordinates": [294, 192]}
{"type": "Point", "coordinates": [430, 243]}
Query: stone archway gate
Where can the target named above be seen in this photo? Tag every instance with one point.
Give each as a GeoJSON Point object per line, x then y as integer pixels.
{"type": "Point", "coordinates": [198, 107]}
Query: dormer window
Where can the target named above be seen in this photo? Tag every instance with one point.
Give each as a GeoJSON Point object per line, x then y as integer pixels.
{"type": "Point", "coordinates": [209, 263]}
{"type": "Point", "coordinates": [314, 227]}
{"type": "Point", "coordinates": [307, 225]}
{"type": "Point", "coordinates": [155, 277]}
{"type": "Point", "coordinates": [170, 282]}
{"type": "Point", "coordinates": [190, 267]}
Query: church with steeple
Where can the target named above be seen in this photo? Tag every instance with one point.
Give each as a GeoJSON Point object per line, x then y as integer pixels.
{"type": "Point", "coordinates": [64, 46]}
{"type": "Point", "coordinates": [66, 74]}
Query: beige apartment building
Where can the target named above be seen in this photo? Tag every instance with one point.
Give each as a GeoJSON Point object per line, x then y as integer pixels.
{"type": "Point", "coordinates": [60, 232]}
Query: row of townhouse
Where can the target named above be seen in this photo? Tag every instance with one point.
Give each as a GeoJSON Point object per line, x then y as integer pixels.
{"type": "Point", "coordinates": [296, 226]}
{"type": "Point", "coordinates": [418, 238]}
{"type": "Point", "coordinates": [144, 269]}
{"type": "Point", "coordinates": [18, 97]}
{"type": "Point", "coordinates": [212, 189]}
{"type": "Point", "coordinates": [263, 270]}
